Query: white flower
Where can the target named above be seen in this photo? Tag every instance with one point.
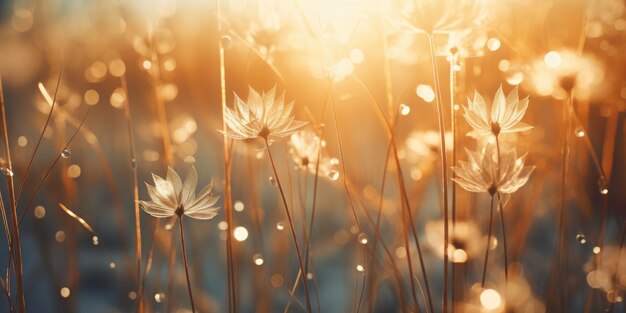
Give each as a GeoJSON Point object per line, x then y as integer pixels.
{"type": "Point", "coordinates": [505, 116]}
{"type": "Point", "coordinates": [171, 197]}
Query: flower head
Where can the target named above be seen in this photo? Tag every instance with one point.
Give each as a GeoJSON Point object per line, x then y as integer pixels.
{"type": "Point", "coordinates": [465, 240]}
{"type": "Point", "coordinates": [305, 151]}
{"type": "Point", "coordinates": [482, 173]}
{"type": "Point", "coordinates": [440, 16]}
{"type": "Point", "coordinates": [261, 116]}
{"type": "Point", "coordinates": [171, 196]}
{"type": "Point", "coordinates": [505, 116]}
{"type": "Point", "coordinates": [558, 73]}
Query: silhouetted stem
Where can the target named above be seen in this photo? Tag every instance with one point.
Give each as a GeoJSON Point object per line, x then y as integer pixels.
{"type": "Point", "coordinates": [488, 241]}
{"type": "Point", "coordinates": [444, 171]}
{"type": "Point", "coordinates": [182, 243]}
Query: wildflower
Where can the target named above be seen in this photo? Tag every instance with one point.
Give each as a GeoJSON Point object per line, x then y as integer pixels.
{"type": "Point", "coordinates": [424, 145]}
{"type": "Point", "coordinates": [480, 172]}
{"type": "Point", "coordinates": [262, 116]}
{"type": "Point", "coordinates": [465, 240]}
{"type": "Point", "coordinates": [463, 44]}
{"type": "Point", "coordinates": [171, 197]}
{"type": "Point", "coordinates": [560, 72]}
{"type": "Point", "coordinates": [305, 151]}
{"type": "Point", "coordinates": [505, 116]}
{"type": "Point", "coordinates": [440, 16]}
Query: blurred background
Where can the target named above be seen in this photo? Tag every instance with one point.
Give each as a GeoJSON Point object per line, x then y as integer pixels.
{"type": "Point", "coordinates": [340, 61]}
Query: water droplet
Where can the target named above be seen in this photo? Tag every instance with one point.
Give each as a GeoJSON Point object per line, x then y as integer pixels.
{"type": "Point", "coordinates": [133, 163]}
{"type": "Point", "coordinates": [66, 153]}
{"type": "Point", "coordinates": [596, 250]}
{"type": "Point", "coordinates": [6, 171]}
{"type": "Point", "coordinates": [360, 268]}
{"type": "Point", "coordinates": [226, 41]}
{"type": "Point", "coordinates": [280, 226]}
{"type": "Point", "coordinates": [362, 238]}
{"type": "Point", "coordinates": [258, 259]}
{"type": "Point", "coordinates": [579, 132]}
{"type": "Point", "coordinates": [112, 265]}
{"type": "Point", "coordinates": [309, 276]}
{"type": "Point", "coordinates": [333, 174]}
{"type": "Point", "coordinates": [95, 240]}
{"type": "Point", "coordinates": [604, 190]}
{"type": "Point", "coordinates": [405, 109]}
{"type": "Point", "coordinates": [272, 180]}
{"type": "Point", "coordinates": [159, 297]}
{"type": "Point", "coordinates": [581, 238]}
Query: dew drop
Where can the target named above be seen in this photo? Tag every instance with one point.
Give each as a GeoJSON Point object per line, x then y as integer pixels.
{"type": "Point", "coordinates": [159, 297]}
{"type": "Point", "coordinates": [362, 238]}
{"type": "Point", "coordinates": [579, 132]}
{"type": "Point", "coordinates": [95, 240]}
{"type": "Point", "coordinates": [360, 268]}
{"type": "Point", "coordinates": [333, 174]}
{"type": "Point", "coordinates": [604, 190]}
{"type": "Point", "coordinates": [280, 226]}
{"type": "Point", "coordinates": [133, 163]}
{"type": "Point", "coordinates": [226, 41]}
{"type": "Point", "coordinates": [272, 180]}
{"type": "Point", "coordinates": [112, 265]}
{"type": "Point", "coordinates": [309, 276]}
{"type": "Point", "coordinates": [581, 238]}
{"type": "Point", "coordinates": [66, 153]}
{"type": "Point", "coordinates": [405, 109]}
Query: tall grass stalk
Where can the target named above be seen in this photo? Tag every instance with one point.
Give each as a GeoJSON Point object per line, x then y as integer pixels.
{"type": "Point", "coordinates": [17, 249]}
{"type": "Point", "coordinates": [133, 170]}
{"type": "Point", "coordinates": [228, 209]}
{"type": "Point", "coordinates": [444, 169]}
{"type": "Point", "coordinates": [567, 122]}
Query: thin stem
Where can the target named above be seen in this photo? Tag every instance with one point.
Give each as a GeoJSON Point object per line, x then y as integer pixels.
{"type": "Point", "coordinates": [444, 170]}
{"type": "Point", "coordinates": [506, 257]}
{"type": "Point", "coordinates": [228, 209]}
{"type": "Point", "coordinates": [488, 241]}
{"type": "Point", "coordinates": [182, 243]}
{"type": "Point", "coordinates": [133, 167]}
{"type": "Point", "coordinates": [17, 249]}
{"type": "Point", "coordinates": [453, 129]}
{"type": "Point", "coordinates": [501, 207]}
{"type": "Point", "coordinates": [32, 158]}
{"type": "Point", "coordinates": [291, 226]}
{"type": "Point", "coordinates": [567, 121]}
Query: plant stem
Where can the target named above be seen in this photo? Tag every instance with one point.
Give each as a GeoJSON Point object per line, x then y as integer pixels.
{"type": "Point", "coordinates": [488, 241]}
{"type": "Point", "coordinates": [506, 256]}
{"type": "Point", "coordinates": [17, 249]}
{"type": "Point", "coordinates": [567, 121]}
{"type": "Point", "coordinates": [228, 209]}
{"type": "Point", "coordinates": [444, 170]}
{"type": "Point", "coordinates": [500, 206]}
{"type": "Point", "coordinates": [291, 226]}
{"type": "Point", "coordinates": [453, 129]}
{"type": "Point", "coordinates": [182, 243]}
{"type": "Point", "coordinates": [133, 166]}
